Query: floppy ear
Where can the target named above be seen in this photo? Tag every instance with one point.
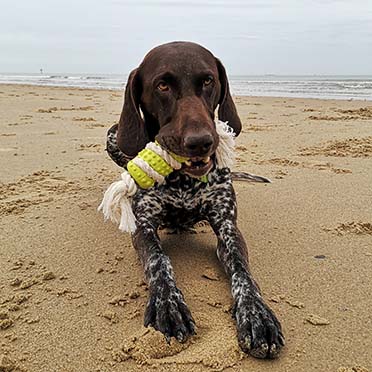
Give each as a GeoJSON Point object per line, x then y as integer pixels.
{"type": "Point", "coordinates": [227, 110]}
{"type": "Point", "coordinates": [132, 134]}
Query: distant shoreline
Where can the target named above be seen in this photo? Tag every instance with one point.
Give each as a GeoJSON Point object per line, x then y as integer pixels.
{"type": "Point", "coordinates": [340, 87]}
{"type": "Point", "coordinates": [77, 88]}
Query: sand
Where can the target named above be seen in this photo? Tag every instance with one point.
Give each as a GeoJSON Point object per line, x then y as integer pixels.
{"type": "Point", "coordinates": [72, 294]}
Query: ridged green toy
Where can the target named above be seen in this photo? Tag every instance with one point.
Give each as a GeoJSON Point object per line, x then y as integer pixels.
{"type": "Point", "coordinates": [153, 164]}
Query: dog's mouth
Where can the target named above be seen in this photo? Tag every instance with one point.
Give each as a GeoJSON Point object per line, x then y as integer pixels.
{"type": "Point", "coordinates": [197, 166]}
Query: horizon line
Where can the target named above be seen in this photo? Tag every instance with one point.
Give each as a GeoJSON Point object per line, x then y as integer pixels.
{"type": "Point", "coordinates": [124, 74]}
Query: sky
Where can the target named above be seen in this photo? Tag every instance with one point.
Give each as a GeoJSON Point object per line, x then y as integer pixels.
{"type": "Point", "coordinates": [288, 37]}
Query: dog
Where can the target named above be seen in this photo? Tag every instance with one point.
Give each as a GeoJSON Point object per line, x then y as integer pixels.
{"type": "Point", "coordinates": [171, 98]}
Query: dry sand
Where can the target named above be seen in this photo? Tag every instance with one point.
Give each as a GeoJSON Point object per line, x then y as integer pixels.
{"type": "Point", "coordinates": [72, 294]}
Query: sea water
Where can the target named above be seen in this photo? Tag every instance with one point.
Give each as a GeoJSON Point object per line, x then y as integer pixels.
{"type": "Point", "coordinates": [332, 87]}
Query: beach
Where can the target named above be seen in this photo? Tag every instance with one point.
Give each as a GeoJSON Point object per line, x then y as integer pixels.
{"type": "Point", "coordinates": [72, 291]}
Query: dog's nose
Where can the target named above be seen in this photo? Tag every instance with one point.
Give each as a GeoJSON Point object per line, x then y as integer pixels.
{"type": "Point", "coordinates": [198, 145]}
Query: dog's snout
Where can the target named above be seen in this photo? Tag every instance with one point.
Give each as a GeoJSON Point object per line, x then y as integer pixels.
{"type": "Point", "coordinates": [198, 145]}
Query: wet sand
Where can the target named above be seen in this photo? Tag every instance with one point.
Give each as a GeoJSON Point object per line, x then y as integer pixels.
{"type": "Point", "coordinates": [72, 294]}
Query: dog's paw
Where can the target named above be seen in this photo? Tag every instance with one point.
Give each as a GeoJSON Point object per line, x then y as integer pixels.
{"type": "Point", "coordinates": [259, 331]}
{"type": "Point", "coordinates": [168, 313]}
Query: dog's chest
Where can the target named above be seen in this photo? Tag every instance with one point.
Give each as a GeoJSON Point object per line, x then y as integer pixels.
{"type": "Point", "coordinates": [182, 201]}
{"type": "Point", "coordinates": [187, 194]}
{"type": "Point", "coordinates": [181, 192]}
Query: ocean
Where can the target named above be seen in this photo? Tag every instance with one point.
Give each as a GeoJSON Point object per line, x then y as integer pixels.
{"type": "Point", "coordinates": [325, 87]}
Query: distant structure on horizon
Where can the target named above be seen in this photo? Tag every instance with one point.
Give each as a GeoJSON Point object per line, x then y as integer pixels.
{"type": "Point", "coordinates": [41, 71]}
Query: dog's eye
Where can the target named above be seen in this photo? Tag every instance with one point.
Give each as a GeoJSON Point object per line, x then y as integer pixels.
{"type": "Point", "coordinates": [207, 81]}
{"type": "Point", "coordinates": [162, 86]}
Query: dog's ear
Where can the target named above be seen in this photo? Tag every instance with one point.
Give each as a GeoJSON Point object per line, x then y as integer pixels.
{"type": "Point", "coordinates": [132, 134]}
{"type": "Point", "coordinates": [227, 110]}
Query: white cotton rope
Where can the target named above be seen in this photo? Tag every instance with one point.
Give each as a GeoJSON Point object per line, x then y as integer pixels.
{"type": "Point", "coordinates": [146, 167]}
{"type": "Point", "coordinates": [225, 150]}
{"type": "Point", "coordinates": [163, 154]}
{"type": "Point", "coordinates": [116, 204]}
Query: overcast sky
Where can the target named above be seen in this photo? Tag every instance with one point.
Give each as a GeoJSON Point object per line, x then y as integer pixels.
{"type": "Point", "coordinates": [251, 37]}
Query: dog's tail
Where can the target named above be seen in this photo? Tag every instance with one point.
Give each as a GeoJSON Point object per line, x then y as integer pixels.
{"type": "Point", "coordinates": [248, 177]}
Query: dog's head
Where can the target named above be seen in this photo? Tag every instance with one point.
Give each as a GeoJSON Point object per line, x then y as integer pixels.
{"type": "Point", "coordinates": [172, 97]}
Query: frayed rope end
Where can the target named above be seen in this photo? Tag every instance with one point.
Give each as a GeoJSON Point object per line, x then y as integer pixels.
{"type": "Point", "coordinates": [116, 203]}
{"type": "Point", "coordinates": [225, 150]}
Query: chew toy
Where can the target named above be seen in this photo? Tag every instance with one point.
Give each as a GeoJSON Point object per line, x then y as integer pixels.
{"type": "Point", "coordinates": [152, 165]}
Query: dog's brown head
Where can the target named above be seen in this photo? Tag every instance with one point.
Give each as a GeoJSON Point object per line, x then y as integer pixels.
{"type": "Point", "coordinates": [172, 97]}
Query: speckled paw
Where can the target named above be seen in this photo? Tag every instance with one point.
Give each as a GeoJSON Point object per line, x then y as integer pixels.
{"type": "Point", "coordinates": [168, 313]}
{"type": "Point", "coordinates": [259, 331]}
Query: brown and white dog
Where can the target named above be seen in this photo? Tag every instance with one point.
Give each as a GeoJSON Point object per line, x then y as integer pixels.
{"type": "Point", "coordinates": [172, 98]}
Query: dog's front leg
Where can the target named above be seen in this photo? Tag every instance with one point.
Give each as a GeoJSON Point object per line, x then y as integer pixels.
{"type": "Point", "coordinates": [259, 331]}
{"type": "Point", "coordinates": [166, 309]}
